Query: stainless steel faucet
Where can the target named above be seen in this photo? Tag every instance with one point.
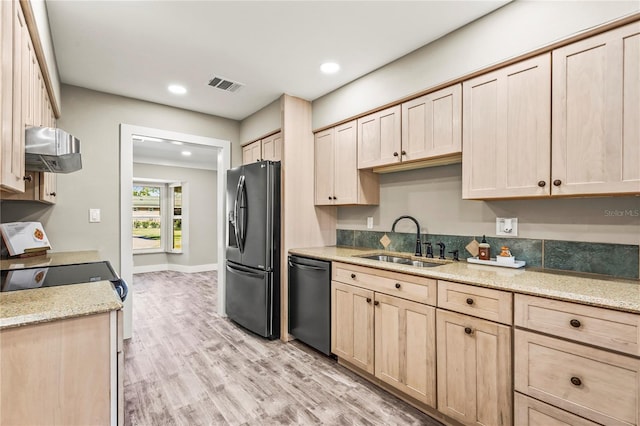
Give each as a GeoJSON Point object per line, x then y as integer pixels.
{"type": "Point", "coordinates": [418, 245]}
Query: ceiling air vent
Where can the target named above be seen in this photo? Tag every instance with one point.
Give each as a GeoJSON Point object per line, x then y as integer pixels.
{"type": "Point", "coordinates": [224, 84]}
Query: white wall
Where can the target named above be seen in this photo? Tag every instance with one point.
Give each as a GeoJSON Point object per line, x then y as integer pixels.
{"type": "Point", "coordinates": [95, 118]}
{"type": "Point", "coordinates": [516, 28]}
{"type": "Point", "coordinates": [201, 187]}
{"type": "Point", "coordinates": [262, 122]}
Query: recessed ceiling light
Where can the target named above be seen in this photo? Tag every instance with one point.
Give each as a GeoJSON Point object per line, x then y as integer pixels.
{"type": "Point", "coordinates": [176, 142]}
{"type": "Point", "coordinates": [329, 68]}
{"type": "Point", "coordinates": [186, 153]}
{"type": "Point", "coordinates": [177, 89]}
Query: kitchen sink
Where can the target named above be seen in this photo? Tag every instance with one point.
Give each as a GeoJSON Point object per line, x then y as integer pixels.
{"type": "Point", "coordinates": [401, 260]}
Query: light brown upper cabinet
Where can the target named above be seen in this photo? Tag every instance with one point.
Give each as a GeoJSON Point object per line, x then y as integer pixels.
{"type": "Point", "coordinates": [252, 152]}
{"type": "Point", "coordinates": [14, 55]}
{"type": "Point", "coordinates": [431, 125]}
{"type": "Point", "coordinates": [337, 178]}
{"type": "Point", "coordinates": [379, 141]}
{"type": "Point", "coordinates": [25, 102]}
{"type": "Point", "coordinates": [506, 131]}
{"type": "Point", "coordinates": [272, 147]}
{"type": "Point", "coordinates": [269, 148]}
{"type": "Point", "coordinates": [596, 114]}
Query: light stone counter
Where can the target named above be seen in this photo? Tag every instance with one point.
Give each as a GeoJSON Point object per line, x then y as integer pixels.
{"type": "Point", "coordinates": [53, 303]}
{"type": "Point", "coordinates": [623, 295]}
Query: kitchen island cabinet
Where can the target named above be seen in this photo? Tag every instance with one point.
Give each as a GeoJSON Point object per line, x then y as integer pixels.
{"type": "Point", "coordinates": [60, 372]}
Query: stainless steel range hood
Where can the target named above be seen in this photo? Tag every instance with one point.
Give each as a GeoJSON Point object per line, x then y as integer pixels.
{"type": "Point", "coordinates": [48, 149]}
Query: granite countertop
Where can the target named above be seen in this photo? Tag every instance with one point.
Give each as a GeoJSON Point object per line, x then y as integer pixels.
{"type": "Point", "coordinates": [38, 305]}
{"type": "Point", "coordinates": [623, 295]}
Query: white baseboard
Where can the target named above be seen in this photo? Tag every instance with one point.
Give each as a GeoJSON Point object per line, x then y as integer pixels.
{"type": "Point", "coordinates": [188, 269]}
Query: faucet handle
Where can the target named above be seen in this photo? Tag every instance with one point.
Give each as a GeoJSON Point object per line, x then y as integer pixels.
{"type": "Point", "coordinates": [442, 250]}
{"type": "Point", "coordinates": [428, 249]}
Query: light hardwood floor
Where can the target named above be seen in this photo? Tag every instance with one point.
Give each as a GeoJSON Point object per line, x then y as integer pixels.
{"type": "Point", "coordinates": [186, 365]}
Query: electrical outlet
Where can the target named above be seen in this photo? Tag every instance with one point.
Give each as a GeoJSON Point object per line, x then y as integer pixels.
{"type": "Point", "coordinates": [94, 215]}
{"type": "Point", "coordinates": [370, 222]}
{"type": "Point", "coordinates": [507, 226]}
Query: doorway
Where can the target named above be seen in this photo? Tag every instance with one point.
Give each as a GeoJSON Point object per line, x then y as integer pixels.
{"type": "Point", "coordinates": [223, 159]}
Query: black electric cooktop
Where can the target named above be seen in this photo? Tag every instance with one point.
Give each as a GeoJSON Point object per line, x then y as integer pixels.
{"type": "Point", "coordinates": [50, 276]}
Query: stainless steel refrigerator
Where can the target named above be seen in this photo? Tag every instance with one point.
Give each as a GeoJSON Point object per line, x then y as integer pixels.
{"type": "Point", "coordinates": [253, 247]}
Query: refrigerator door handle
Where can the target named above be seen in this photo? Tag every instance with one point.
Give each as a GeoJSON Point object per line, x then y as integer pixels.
{"type": "Point", "coordinates": [305, 267]}
{"type": "Point", "coordinates": [236, 223]}
{"type": "Point", "coordinates": [242, 221]}
{"type": "Point", "coordinates": [243, 271]}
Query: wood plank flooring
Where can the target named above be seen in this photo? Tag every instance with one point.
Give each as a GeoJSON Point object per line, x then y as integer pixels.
{"type": "Point", "coordinates": [186, 365]}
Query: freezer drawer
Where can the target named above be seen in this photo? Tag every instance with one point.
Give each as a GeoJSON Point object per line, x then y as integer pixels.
{"type": "Point", "coordinates": [310, 302]}
{"type": "Point", "coordinates": [252, 300]}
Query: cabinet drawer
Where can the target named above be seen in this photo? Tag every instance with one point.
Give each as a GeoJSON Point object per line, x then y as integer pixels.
{"type": "Point", "coordinates": [494, 305]}
{"type": "Point", "coordinates": [619, 331]}
{"type": "Point", "coordinates": [531, 412]}
{"type": "Point", "coordinates": [592, 383]}
{"type": "Point", "coordinates": [411, 287]}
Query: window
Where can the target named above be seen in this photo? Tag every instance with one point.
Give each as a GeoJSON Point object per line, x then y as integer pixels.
{"type": "Point", "coordinates": [157, 217]}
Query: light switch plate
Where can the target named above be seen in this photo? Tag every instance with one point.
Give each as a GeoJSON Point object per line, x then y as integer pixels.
{"type": "Point", "coordinates": [370, 222]}
{"type": "Point", "coordinates": [507, 226]}
{"type": "Point", "coordinates": [94, 215]}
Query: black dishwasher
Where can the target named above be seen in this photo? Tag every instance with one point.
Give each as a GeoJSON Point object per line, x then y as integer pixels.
{"type": "Point", "coordinates": [310, 302]}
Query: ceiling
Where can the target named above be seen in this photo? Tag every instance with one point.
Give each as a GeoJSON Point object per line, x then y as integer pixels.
{"type": "Point", "coordinates": [138, 48]}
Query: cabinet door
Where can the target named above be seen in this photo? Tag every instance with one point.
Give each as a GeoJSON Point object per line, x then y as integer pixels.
{"type": "Point", "coordinates": [252, 152]}
{"type": "Point", "coordinates": [352, 325]}
{"type": "Point", "coordinates": [324, 163]}
{"type": "Point", "coordinates": [15, 39]}
{"type": "Point", "coordinates": [48, 187]}
{"type": "Point", "coordinates": [65, 360]}
{"type": "Point", "coordinates": [474, 369]}
{"type": "Point", "coordinates": [432, 124]}
{"type": "Point", "coordinates": [596, 130]}
{"type": "Point", "coordinates": [345, 181]}
{"type": "Point", "coordinates": [272, 147]}
{"type": "Point", "coordinates": [379, 138]}
{"type": "Point", "coordinates": [405, 354]}
{"type": "Point", "coordinates": [506, 131]}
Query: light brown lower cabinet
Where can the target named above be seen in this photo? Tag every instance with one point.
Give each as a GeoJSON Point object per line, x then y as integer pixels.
{"type": "Point", "coordinates": [352, 325]}
{"type": "Point", "coordinates": [62, 372]}
{"type": "Point", "coordinates": [593, 383]}
{"type": "Point", "coordinates": [474, 369]}
{"type": "Point", "coordinates": [531, 412]}
{"type": "Point", "coordinates": [405, 354]}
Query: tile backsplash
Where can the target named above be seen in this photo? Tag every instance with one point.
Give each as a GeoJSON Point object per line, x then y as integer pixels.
{"type": "Point", "coordinates": [617, 260]}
